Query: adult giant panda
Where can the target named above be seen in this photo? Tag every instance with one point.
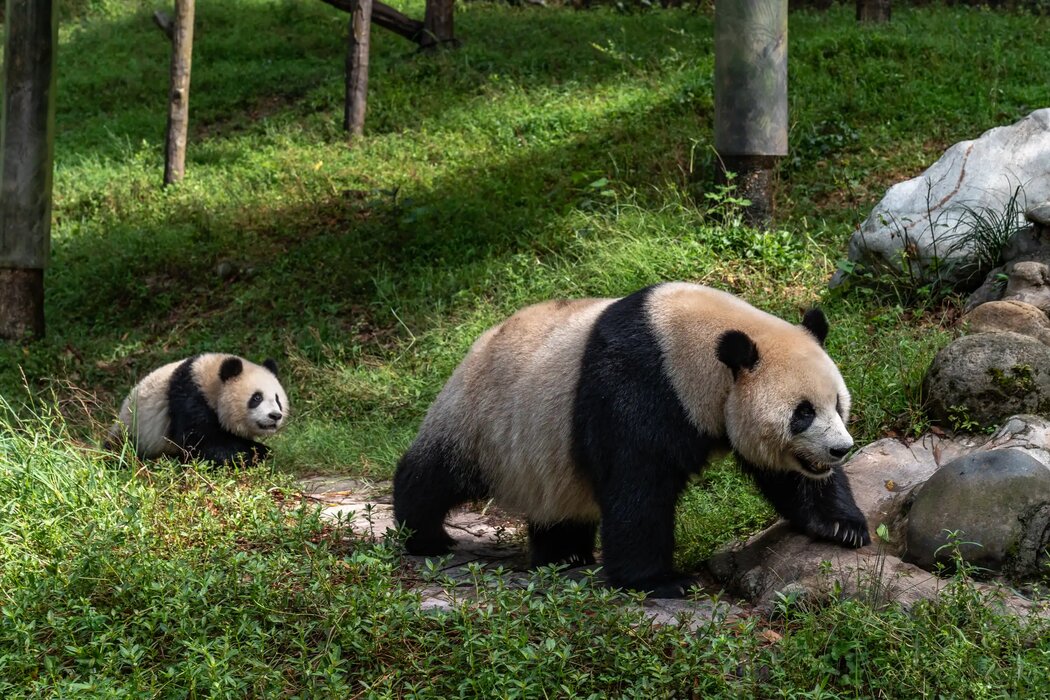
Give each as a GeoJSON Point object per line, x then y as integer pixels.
{"type": "Point", "coordinates": [207, 407]}
{"type": "Point", "coordinates": [575, 412]}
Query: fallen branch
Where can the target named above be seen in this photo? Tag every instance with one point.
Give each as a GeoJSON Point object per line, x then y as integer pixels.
{"type": "Point", "coordinates": [388, 18]}
{"type": "Point", "coordinates": [166, 24]}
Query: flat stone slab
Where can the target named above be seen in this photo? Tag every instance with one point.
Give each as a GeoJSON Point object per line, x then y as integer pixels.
{"type": "Point", "coordinates": [488, 541]}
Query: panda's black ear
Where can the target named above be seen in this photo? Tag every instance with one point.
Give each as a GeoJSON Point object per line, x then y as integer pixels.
{"type": "Point", "coordinates": [816, 323]}
{"type": "Point", "coordinates": [271, 364]}
{"type": "Point", "coordinates": [737, 351]}
{"type": "Point", "coordinates": [230, 368]}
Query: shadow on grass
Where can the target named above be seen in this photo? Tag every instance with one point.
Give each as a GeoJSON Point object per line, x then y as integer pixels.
{"type": "Point", "coordinates": [253, 60]}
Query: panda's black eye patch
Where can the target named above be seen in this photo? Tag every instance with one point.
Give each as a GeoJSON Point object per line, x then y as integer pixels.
{"type": "Point", "coordinates": [255, 400]}
{"type": "Point", "coordinates": [803, 417]}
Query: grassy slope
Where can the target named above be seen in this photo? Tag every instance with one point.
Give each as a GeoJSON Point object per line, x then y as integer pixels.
{"type": "Point", "coordinates": [556, 153]}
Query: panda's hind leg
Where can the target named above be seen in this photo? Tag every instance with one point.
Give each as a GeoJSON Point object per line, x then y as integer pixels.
{"type": "Point", "coordinates": [567, 542]}
{"type": "Point", "coordinates": [429, 482]}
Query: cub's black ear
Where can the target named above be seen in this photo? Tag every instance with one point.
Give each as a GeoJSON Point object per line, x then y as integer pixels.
{"type": "Point", "coordinates": [815, 322]}
{"type": "Point", "coordinates": [737, 351]}
{"type": "Point", "coordinates": [271, 364]}
{"type": "Point", "coordinates": [230, 368]}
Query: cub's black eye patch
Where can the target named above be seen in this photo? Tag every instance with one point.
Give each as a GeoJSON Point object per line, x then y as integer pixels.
{"type": "Point", "coordinates": [838, 406]}
{"type": "Point", "coordinates": [803, 417]}
{"type": "Point", "coordinates": [255, 400]}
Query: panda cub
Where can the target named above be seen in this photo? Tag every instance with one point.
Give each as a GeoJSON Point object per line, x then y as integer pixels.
{"type": "Point", "coordinates": [207, 407]}
{"type": "Point", "coordinates": [576, 413]}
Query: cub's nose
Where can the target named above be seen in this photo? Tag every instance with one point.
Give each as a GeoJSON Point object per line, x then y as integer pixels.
{"type": "Point", "coordinates": [276, 416]}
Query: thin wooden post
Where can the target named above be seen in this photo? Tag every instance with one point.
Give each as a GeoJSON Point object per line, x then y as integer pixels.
{"type": "Point", "coordinates": [751, 96]}
{"type": "Point", "coordinates": [179, 94]}
{"type": "Point", "coordinates": [357, 48]}
{"type": "Point", "coordinates": [873, 11]}
{"type": "Point", "coordinates": [27, 132]}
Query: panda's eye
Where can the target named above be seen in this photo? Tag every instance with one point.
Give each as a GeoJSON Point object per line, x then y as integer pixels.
{"type": "Point", "coordinates": [803, 417]}
{"type": "Point", "coordinates": [255, 400]}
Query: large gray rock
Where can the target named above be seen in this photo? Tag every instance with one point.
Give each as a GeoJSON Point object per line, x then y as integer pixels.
{"type": "Point", "coordinates": [917, 220]}
{"type": "Point", "coordinates": [979, 380]}
{"type": "Point", "coordinates": [993, 507]}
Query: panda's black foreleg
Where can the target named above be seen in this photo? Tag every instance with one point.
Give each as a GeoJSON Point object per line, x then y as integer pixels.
{"type": "Point", "coordinates": [568, 542]}
{"type": "Point", "coordinates": [225, 449]}
{"type": "Point", "coordinates": [823, 508]}
{"type": "Point", "coordinates": [638, 540]}
{"type": "Point", "coordinates": [428, 483]}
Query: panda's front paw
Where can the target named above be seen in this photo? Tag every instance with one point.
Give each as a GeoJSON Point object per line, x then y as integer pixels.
{"type": "Point", "coordinates": [848, 531]}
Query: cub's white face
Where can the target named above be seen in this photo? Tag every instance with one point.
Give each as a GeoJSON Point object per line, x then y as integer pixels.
{"type": "Point", "coordinates": [791, 413]}
{"type": "Point", "coordinates": [253, 403]}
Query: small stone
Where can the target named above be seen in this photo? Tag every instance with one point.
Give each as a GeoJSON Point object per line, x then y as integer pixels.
{"type": "Point", "coordinates": [1029, 281]}
{"type": "Point", "coordinates": [980, 380]}
{"type": "Point", "coordinates": [1009, 315]}
{"type": "Point", "coordinates": [986, 502]}
{"type": "Point", "coordinates": [1039, 214]}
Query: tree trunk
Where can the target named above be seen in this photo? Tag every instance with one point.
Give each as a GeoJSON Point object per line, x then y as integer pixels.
{"type": "Point", "coordinates": [26, 157]}
{"type": "Point", "coordinates": [21, 303]}
{"type": "Point", "coordinates": [437, 24]}
{"type": "Point", "coordinates": [386, 17]}
{"type": "Point", "coordinates": [357, 48]}
{"type": "Point", "coordinates": [751, 96]}
{"type": "Point", "coordinates": [873, 10]}
{"type": "Point", "coordinates": [179, 95]}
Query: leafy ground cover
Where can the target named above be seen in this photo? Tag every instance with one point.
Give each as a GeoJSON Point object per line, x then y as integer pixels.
{"type": "Point", "coordinates": [556, 153]}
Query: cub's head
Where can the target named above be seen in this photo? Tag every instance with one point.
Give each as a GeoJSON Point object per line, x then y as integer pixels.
{"type": "Point", "coordinates": [251, 401]}
{"type": "Point", "coordinates": [788, 406]}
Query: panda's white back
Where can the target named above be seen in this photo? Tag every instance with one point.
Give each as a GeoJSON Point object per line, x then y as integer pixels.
{"type": "Point", "coordinates": [144, 414]}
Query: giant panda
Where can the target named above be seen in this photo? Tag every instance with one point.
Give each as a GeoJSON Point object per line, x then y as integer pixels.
{"type": "Point", "coordinates": [207, 407]}
{"type": "Point", "coordinates": [599, 410]}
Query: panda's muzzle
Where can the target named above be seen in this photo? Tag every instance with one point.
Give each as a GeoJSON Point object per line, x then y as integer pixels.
{"type": "Point", "coordinates": [273, 424]}
{"type": "Point", "coordinates": [816, 469]}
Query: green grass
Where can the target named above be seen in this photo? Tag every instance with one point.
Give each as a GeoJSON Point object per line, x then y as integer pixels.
{"type": "Point", "coordinates": [556, 153]}
{"type": "Point", "coordinates": [172, 582]}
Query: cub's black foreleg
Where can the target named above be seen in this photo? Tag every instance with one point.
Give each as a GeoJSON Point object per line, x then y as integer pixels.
{"type": "Point", "coordinates": [230, 450]}
{"type": "Point", "coordinates": [429, 482]}
{"type": "Point", "coordinates": [824, 508]}
{"type": "Point", "coordinates": [568, 542]}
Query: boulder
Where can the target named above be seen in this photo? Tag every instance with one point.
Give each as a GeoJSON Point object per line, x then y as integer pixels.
{"type": "Point", "coordinates": [979, 380]}
{"type": "Point", "coordinates": [779, 562]}
{"type": "Point", "coordinates": [918, 221]}
{"type": "Point", "coordinates": [1009, 316]}
{"type": "Point", "coordinates": [993, 507]}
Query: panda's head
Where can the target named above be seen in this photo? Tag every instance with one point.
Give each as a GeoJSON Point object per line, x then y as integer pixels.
{"type": "Point", "coordinates": [788, 406]}
{"type": "Point", "coordinates": [251, 401]}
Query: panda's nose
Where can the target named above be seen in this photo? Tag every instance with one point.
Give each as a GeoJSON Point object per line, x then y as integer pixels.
{"type": "Point", "coordinates": [839, 452]}
{"type": "Point", "coordinates": [276, 416]}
